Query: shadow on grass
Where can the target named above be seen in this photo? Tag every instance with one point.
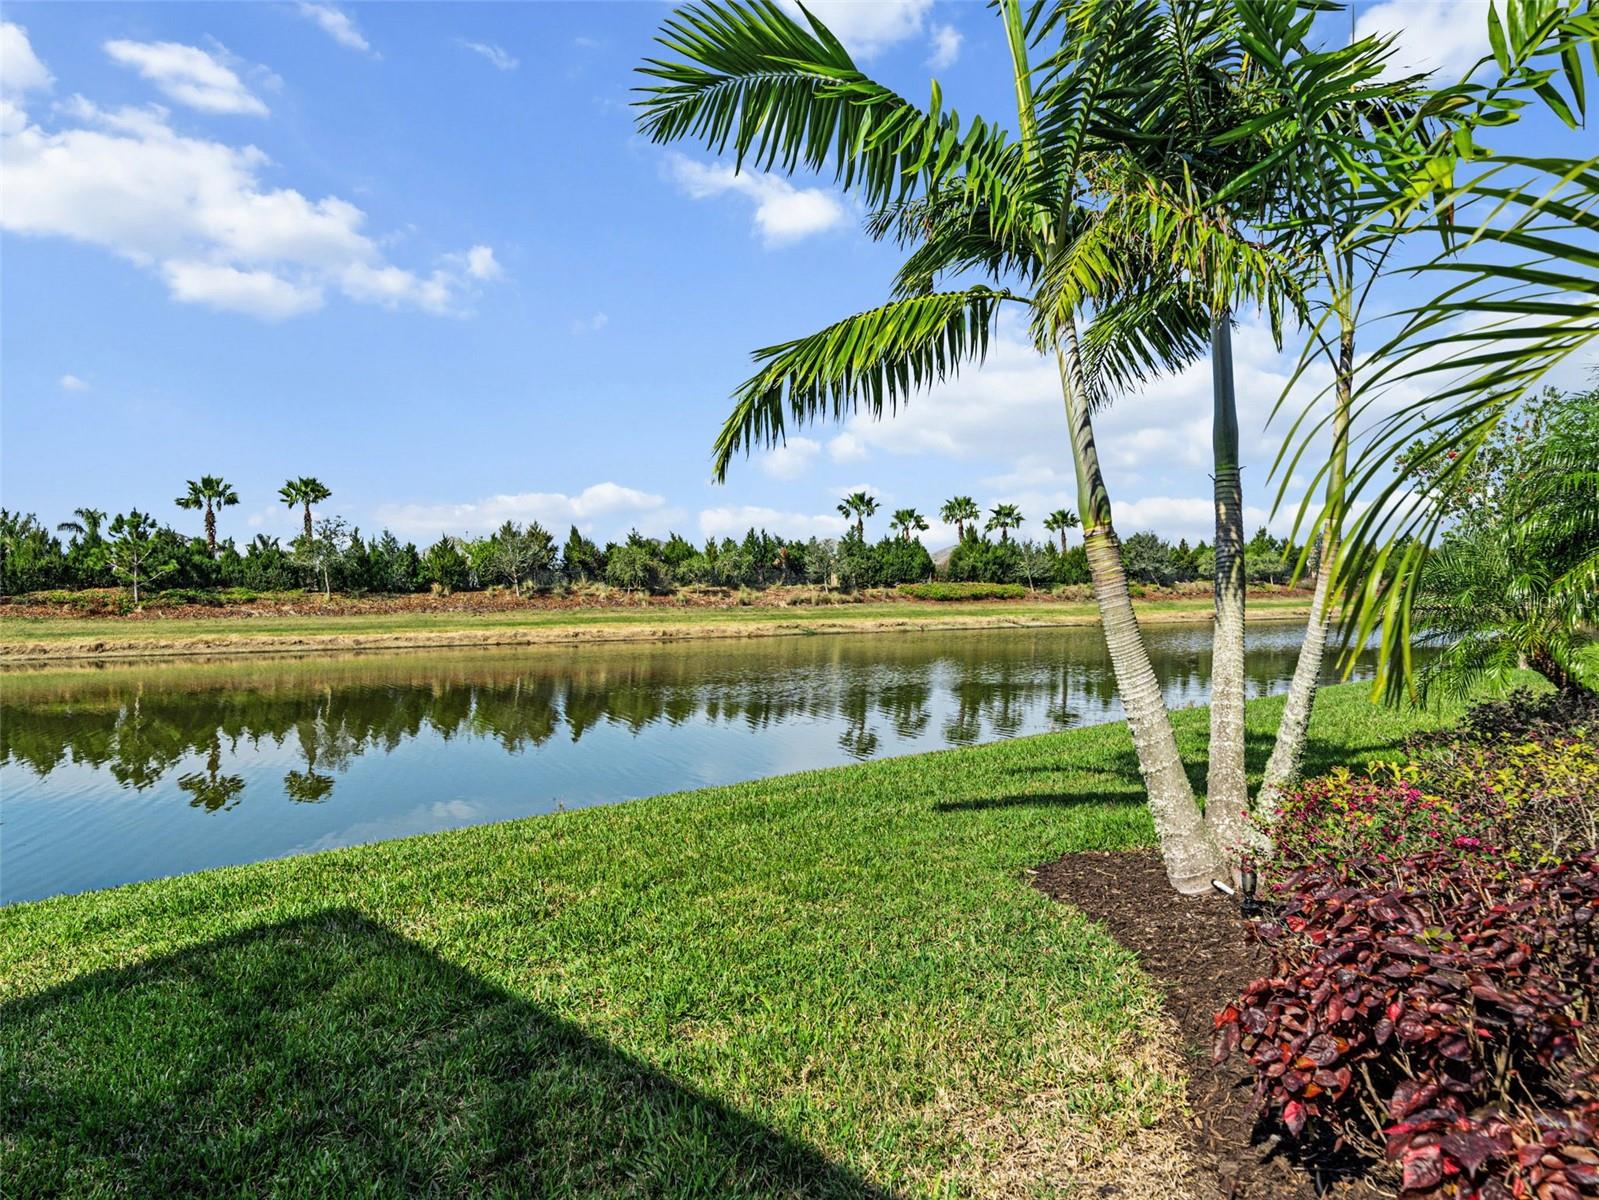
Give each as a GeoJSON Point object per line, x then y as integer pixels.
{"type": "Point", "coordinates": [1098, 788]}
{"type": "Point", "coordinates": [330, 1056]}
{"type": "Point", "coordinates": [1115, 779]}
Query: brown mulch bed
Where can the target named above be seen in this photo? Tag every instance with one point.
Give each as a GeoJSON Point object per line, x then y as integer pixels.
{"type": "Point", "coordinates": [1194, 948]}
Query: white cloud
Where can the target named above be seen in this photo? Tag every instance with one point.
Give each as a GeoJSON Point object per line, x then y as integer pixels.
{"type": "Point", "coordinates": [946, 41]}
{"type": "Point", "coordinates": [590, 324]}
{"type": "Point", "coordinates": [1009, 410]}
{"type": "Point", "coordinates": [1446, 36]}
{"type": "Point", "coordinates": [71, 383]}
{"type": "Point", "coordinates": [20, 69]}
{"type": "Point", "coordinates": [188, 75]}
{"type": "Point", "coordinates": [254, 293]}
{"type": "Point", "coordinates": [734, 520]}
{"type": "Point", "coordinates": [197, 212]}
{"type": "Point", "coordinates": [555, 510]}
{"type": "Point", "coordinates": [783, 213]}
{"type": "Point", "coordinates": [500, 58]}
{"type": "Point", "coordinates": [867, 27]}
{"type": "Point", "coordinates": [337, 25]}
{"type": "Point", "coordinates": [846, 447]}
{"type": "Point", "coordinates": [792, 459]}
{"type": "Point", "coordinates": [481, 264]}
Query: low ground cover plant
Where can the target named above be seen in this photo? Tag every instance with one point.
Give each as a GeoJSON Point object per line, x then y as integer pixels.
{"type": "Point", "coordinates": [1436, 959]}
{"type": "Point", "coordinates": [1517, 783]}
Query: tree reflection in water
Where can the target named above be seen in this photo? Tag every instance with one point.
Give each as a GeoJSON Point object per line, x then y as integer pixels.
{"type": "Point", "coordinates": [145, 723]}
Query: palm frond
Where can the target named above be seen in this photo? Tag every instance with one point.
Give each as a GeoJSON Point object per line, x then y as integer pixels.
{"type": "Point", "coordinates": [747, 76]}
{"type": "Point", "coordinates": [872, 360]}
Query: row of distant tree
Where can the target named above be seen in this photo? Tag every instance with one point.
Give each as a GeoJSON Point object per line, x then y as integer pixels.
{"type": "Point", "coordinates": [133, 551]}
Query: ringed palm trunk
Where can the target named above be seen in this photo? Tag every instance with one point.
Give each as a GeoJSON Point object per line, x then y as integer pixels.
{"type": "Point", "coordinates": [1288, 754]}
{"type": "Point", "coordinates": [308, 519]}
{"type": "Point", "coordinates": [1227, 791]}
{"type": "Point", "coordinates": [1189, 854]}
{"type": "Point", "coordinates": [211, 530]}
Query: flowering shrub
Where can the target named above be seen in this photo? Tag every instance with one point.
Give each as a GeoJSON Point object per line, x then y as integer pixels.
{"type": "Point", "coordinates": [1435, 1008]}
{"type": "Point", "coordinates": [1516, 802]}
{"type": "Point", "coordinates": [1531, 797]}
{"type": "Point", "coordinates": [1516, 782]}
{"type": "Point", "coordinates": [1345, 818]}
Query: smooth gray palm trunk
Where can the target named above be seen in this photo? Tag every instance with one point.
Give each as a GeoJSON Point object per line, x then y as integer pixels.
{"type": "Point", "coordinates": [1227, 790]}
{"type": "Point", "coordinates": [1288, 754]}
{"type": "Point", "coordinates": [1186, 848]}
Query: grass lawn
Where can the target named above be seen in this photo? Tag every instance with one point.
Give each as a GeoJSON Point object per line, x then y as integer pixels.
{"type": "Point", "coordinates": [827, 984]}
{"type": "Point", "coordinates": [60, 635]}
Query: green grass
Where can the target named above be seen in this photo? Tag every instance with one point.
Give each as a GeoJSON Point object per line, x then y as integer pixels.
{"type": "Point", "coordinates": [834, 983]}
{"type": "Point", "coordinates": [24, 630]}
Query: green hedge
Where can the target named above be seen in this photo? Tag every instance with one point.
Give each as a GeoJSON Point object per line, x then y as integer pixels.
{"type": "Point", "coordinates": [963, 591]}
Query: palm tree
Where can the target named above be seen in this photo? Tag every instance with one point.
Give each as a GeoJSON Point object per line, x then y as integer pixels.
{"type": "Point", "coordinates": [1186, 121]}
{"type": "Point", "coordinates": [1322, 152]}
{"type": "Point", "coordinates": [957, 511]}
{"type": "Point", "coordinates": [968, 198]}
{"type": "Point", "coordinates": [1004, 517]}
{"type": "Point", "coordinates": [907, 521]}
{"type": "Point", "coordinates": [1537, 309]}
{"type": "Point", "coordinates": [87, 526]}
{"type": "Point", "coordinates": [304, 491]}
{"type": "Point", "coordinates": [1059, 522]}
{"type": "Point", "coordinates": [210, 493]}
{"type": "Point", "coordinates": [859, 506]}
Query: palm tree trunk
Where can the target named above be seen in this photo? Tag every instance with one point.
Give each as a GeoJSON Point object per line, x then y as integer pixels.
{"type": "Point", "coordinates": [1293, 729]}
{"type": "Point", "coordinates": [1190, 857]}
{"type": "Point", "coordinates": [211, 530]}
{"type": "Point", "coordinates": [307, 518]}
{"type": "Point", "coordinates": [1227, 792]}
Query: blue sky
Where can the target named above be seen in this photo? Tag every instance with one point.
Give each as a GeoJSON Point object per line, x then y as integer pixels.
{"type": "Point", "coordinates": [419, 251]}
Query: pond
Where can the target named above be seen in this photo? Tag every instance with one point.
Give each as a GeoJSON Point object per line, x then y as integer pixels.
{"type": "Point", "coordinates": [123, 771]}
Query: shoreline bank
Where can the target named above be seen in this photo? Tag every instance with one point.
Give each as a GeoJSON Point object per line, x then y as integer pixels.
{"type": "Point", "coordinates": [21, 644]}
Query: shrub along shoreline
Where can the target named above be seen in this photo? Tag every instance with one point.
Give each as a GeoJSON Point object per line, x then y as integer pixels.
{"type": "Point", "coordinates": [831, 983]}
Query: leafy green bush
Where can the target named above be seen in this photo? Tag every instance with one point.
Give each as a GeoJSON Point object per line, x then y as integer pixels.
{"type": "Point", "coordinates": [979, 561]}
{"type": "Point", "coordinates": [962, 591]}
{"type": "Point", "coordinates": [633, 568]}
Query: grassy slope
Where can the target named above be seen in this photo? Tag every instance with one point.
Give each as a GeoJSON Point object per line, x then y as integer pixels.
{"type": "Point", "coordinates": [820, 984]}
{"type": "Point", "coordinates": [16, 632]}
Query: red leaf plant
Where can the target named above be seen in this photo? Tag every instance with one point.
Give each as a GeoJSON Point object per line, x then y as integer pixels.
{"type": "Point", "coordinates": [1434, 1012]}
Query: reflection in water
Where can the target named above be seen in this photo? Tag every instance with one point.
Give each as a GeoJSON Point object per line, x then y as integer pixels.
{"type": "Point", "coordinates": [313, 752]}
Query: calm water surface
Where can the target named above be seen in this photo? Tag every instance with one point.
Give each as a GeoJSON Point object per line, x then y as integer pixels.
{"type": "Point", "coordinates": [126, 771]}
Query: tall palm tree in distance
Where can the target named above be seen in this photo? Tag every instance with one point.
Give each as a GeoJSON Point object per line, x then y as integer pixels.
{"type": "Point", "coordinates": [1004, 517]}
{"type": "Point", "coordinates": [87, 525]}
{"type": "Point", "coordinates": [858, 506]}
{"type": "Point", "coordinates": [304, 492]}
{"type": "Point", "coordinates": [211, 492]}
{"type": "Point", "coordinates": [1059, 522]}
{"type": "Point", "coordinates": [959, 511]}
{"type": "Point", "coordinates": [907, 521]}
